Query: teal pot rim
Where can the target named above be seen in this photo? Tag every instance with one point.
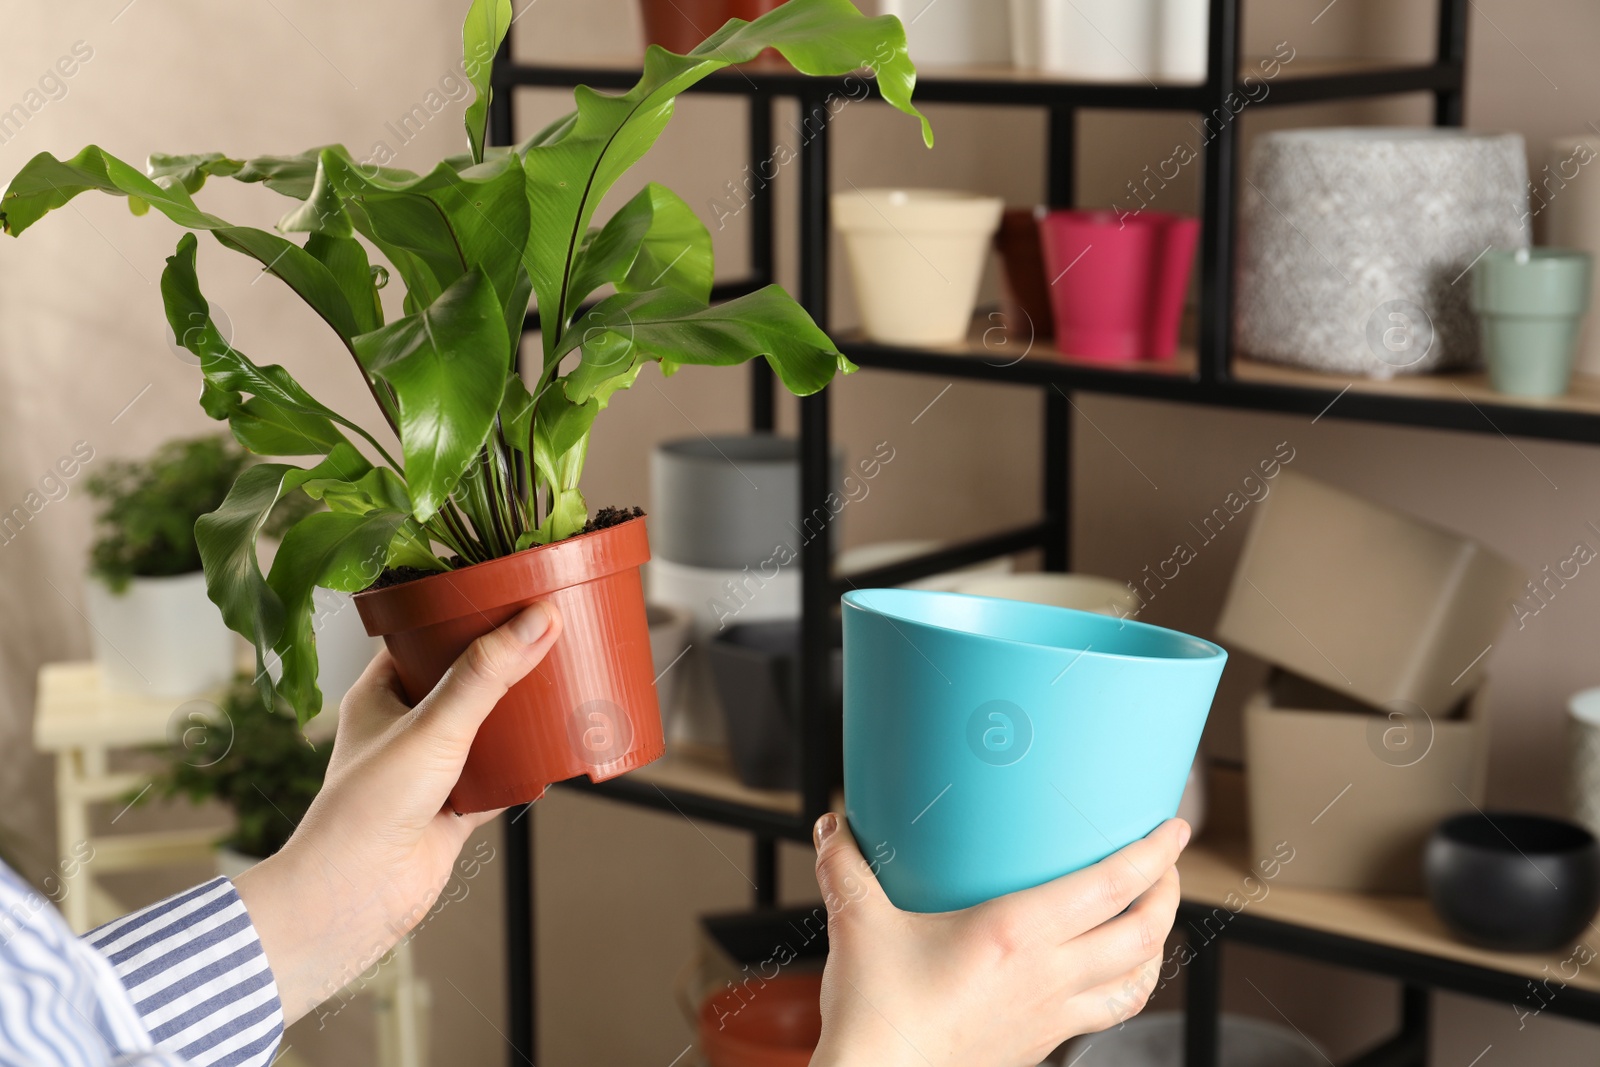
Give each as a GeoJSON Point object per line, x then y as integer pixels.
{"type": "Point", "coordinates": [1124, 640]}
{"type": "Point", "coordinates": [1532, 282]}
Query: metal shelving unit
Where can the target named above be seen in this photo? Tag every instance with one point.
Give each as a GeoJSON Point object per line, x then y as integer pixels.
{"type": "Point", "coordinates": [1209, 375]}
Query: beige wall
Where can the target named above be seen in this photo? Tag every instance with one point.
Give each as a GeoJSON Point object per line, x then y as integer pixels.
{"type": "Point", "coordinates": [81, 336]}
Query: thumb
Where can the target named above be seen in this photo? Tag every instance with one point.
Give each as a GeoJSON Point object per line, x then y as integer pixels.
{"type": "Point", "coordinates": [481, 676]}
{"type": "Point", "coordinates": [848, 882]}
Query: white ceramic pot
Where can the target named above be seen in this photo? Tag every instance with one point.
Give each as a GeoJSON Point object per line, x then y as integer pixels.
{"type": "Point", "coordinates": [917, 256]}
{"type": "Point", "coordinates": [1025, 17]}
{"type": "Point", "coordinates": [883, 553]}
{"type": "Point", "coordinates": [1583, 767]}
{"type": "Point", "coordinates": [671, 643]}
{"type": "Point", "coordinates": [1182, 31]}
{"type": "Point", "coordinates": [717, 598]}
{"type": "Point", "coordinates": [949, 33]}
{"type": "Point", "coordinates": [160, 637]}
{"type": "Point", "coordinates": [1156, 1040]}
{"type": "Point", "coordinates": [344, 647]}
{"type": "Point", "coordinates": [1098, 40]}
{"type": "Point", "coordinates": [1083, 592]}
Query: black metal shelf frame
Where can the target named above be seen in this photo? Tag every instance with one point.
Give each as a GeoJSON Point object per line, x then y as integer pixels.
{"type": "Point", "coordinates": [1212, 383]}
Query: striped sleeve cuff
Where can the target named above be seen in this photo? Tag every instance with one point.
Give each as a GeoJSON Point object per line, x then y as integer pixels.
{"type": "Point", "coordinates": [194, 968]}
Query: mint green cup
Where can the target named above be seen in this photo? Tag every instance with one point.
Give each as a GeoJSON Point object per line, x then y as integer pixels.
{"type": "Point", "coordinates": [1530, 304]}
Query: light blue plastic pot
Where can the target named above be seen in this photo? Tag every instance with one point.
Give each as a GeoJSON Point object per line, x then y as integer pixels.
{"type": "Point", "coordinates": [992, 745]}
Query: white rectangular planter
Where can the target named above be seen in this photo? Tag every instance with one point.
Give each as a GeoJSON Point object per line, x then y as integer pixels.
{"type": "Point", "coordinates": [1098, 40]}
{"type": "Point", "coordinates": [1113, 40]}
{"type": "Point", "coordinates": [1182, 32]}
{"type": "Point", "coordinates": [954, 33]}
{"type": "Point", "coordinates": [160, 637]}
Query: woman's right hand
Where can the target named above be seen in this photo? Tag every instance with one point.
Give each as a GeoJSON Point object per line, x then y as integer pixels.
{"type": "Point", "coordinates": [998, 985]}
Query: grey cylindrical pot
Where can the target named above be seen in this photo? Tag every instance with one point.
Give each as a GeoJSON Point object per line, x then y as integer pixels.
{"type": "Point", "coordinates": [1531, 304]}
{"type": "Point", "coordinates": [731, 502]}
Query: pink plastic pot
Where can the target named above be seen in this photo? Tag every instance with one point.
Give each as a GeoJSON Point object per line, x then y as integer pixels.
{"type": "Point", "coordinates": [1118, 282]}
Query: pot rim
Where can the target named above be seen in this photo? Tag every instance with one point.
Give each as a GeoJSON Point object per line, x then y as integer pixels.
{"type": "Point", "coordinates": [767, 450]}
{"type": "Point", "coordinates": [922, 210]}
{"type": "Point", "coordinates": [1448, 833]}
{"type": "Point", "coordinates": [1206, 653]}
{"type": "Point", "coordinates": [1106, 216]}
{"type": "Point", "coordinates": [526, 575]}
{"type": "Point", "coordinates": [148, 580]}
{"type": "Point", "coordinates": [1322, 135]}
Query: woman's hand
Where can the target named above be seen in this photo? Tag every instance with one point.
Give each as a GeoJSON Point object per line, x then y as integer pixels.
{"type": "Point", "coordinates": [377, 847]}
{"type": "Point", "coordinates": [998, 985]}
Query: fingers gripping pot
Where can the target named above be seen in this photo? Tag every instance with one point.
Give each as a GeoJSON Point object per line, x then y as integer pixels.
{"type": "Point", "coordinates": [589, 708]}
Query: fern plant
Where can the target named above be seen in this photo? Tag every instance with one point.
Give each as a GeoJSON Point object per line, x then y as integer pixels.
{"type": "Point", "coordinates": [488, 463]}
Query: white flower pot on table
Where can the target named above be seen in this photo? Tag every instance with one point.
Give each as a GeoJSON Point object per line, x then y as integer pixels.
{"type": "Point", "coordinates": [159, 637]}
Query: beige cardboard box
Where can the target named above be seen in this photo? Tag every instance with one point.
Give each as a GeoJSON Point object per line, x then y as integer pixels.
{"type": "Point", "coordinates": [1356, 791]}
{"type": "Point", "coordinates": [1375, 604]}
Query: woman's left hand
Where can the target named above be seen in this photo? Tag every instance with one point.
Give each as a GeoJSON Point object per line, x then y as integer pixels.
{"type": "Point", "coordinates": [378, 845]}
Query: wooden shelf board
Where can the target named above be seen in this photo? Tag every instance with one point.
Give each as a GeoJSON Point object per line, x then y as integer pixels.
{"type": "Point", "coordinates": [988, 343]}
{"type": "Point", "coordinates": [709, 772]}
{"type": "Point", "coordinates": [1214, 873]}
{"type": "Point", "coordinates": [1456, 387]}
{"type": "Point", "coordinates": [1297, 68]}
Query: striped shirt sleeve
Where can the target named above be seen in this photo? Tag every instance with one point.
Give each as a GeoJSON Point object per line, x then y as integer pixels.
{"type": "Point", "coordinates": [198, 977]}
{"type": "Point", "coordinates": [61, 1005]}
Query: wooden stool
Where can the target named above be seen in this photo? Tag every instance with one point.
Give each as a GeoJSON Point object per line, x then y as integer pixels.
{"type": "Point", "coordinates": [81, 723]}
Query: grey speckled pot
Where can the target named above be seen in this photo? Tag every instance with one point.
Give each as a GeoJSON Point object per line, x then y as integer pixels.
{"type": "Point", "coordinates": [729, 502]}
{"type": "Point", "coordinates": [1353, 243]}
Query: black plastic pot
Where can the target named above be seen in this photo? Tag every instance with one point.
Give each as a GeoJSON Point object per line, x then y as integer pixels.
{"type": "Point", "coordinates": [799, 935]}
{"type": "Point", "coordinates": [1518, 883]}
{"type": "Point", "coordinates": [757, 672]}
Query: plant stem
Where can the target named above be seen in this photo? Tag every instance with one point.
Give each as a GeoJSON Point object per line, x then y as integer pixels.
{"type": "Point", "coordinates": [382, 452]}
{"type": "Point", "coordinates": [479, 508]}
{"type": "Point", "coordinates": [466, 547]}
{"type": "Point", "coordinates": [484, 514]}
{"type": "Point", "coordinates": [437, 531]}
{"type": "Point", "coordinates": [505, 472]}
{"type": "Point", "coordinates": [429, 531]}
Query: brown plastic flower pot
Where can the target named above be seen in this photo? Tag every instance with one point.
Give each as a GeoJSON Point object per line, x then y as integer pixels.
{"type": "Point", "coordinates": [1025, 287]}
{"type": "Point", "coordinates": [750, 10]}
{"type": "Point", "coordinates": [588, 709]}
{"type": "Point", "coordinates": [679, 25]}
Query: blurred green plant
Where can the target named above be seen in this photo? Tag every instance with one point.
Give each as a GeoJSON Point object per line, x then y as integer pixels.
{"type": "Point", "coordinates": [254, 760]}
{"type": "Point", "coordinates": [491, 462]}
{"type": "Point", "coordinates": [145, 528]}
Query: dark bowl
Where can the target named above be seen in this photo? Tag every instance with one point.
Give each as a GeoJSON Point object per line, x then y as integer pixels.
{"type": "Point", "coordinates": [1518, 883]}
